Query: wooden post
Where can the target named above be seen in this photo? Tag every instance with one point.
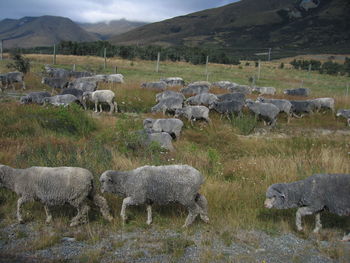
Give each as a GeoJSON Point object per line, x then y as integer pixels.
{"type": "Point", "coordinates": [259, 69]}
{"type": "Point", "coordinates": [54, 55]}
{"type": "Point", "coordinates": [302, 84]}
{"type": "Point", "coordinates": [158, 59]}
{"type": "Point", "coordinates": [105, 58]}
{"type": "Point", "coordinates": [116, 69]}
{"type": "Point", "coordinates": [73, 67]}
{"type": "Point", "coordinates": [347, 90]}
{"type": "Point", "coordinates": [1, 50]}
{"type": "Point", "coordinates": [206, 66]}
{"type": "Point", "coordinates": [269, 57]}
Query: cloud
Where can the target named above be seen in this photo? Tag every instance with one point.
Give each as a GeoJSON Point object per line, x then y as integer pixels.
{"type": "Point", "coordinates": [106, 10]}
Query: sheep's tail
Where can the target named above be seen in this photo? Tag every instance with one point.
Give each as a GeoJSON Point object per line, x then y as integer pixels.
{"type": "Point", "coordinates": [101, 202]}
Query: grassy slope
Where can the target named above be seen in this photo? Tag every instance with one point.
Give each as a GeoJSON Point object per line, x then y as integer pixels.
{"type": "Point", "coordinates": [238, 169]}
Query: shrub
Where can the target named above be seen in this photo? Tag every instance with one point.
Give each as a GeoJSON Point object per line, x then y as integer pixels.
{"type": "Point", "coordinates": [244, 124]}
{"type": "Point", "coordinates": [19, 63]}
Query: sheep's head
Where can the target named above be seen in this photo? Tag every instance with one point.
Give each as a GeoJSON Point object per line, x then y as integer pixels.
{"type": "Point", "coordinates": [147, 123]}
{"type": "Point", "coordinates": [87, 95]}
{"type": "Point", "coordinates": [178, 112]}
{"type": "Point", "coordinates": [111, 182]}
{"type": "Point", "coordinates": [25, 100]}
{"type": "Point", "coordinates": [43, 80]}
{"type": "Point", "coordinates": [275, 196]}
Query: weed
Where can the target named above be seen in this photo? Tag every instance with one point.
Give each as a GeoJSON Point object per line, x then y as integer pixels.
{"type": "Point", "coordinates": [176, 246]}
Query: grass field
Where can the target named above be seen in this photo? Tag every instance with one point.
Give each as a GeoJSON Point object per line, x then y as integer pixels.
{"type": "Point", "coordinates": [239, 158]}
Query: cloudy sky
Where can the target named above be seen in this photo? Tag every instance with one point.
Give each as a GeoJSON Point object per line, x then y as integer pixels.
{"type": "Point", "coordinates": [105, 10]}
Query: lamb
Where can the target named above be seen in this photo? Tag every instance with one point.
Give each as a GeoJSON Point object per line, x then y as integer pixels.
{"type": "Point", "coordinates": [61, 100]}
{"type": "Point", "coordinates": [55, 83]}
{"type": "Point", "coordinates": [345, 114]}
{"type": "Point", "coordinates": [228, 107]}
{"type": "Point", "coordinates": [283, 105]}
{"type": "Point", "coordinates": [264, 90]}
{"type": "Point", "coordinates": [193, 113]}
{"type": "Point", "coordinates": [159, 85]}
{"type": "Point", "coordinates": [168, 105]}
{"type": "Point", "coordinates": [314, 194]}
{"type": "Point", "coordinates": [205, 99]}
{"type": "Point", "coordinates": [173, 81]}
{"type": "Point", "coordinates": [171, 126]}
{"type": "Point", "coordinates": [115, 78]}
{"type": "Point", "coordinates": [267, 111]}
{"type": "Point", "coordinates": [35, 97]}
{"type": "Point", "coordinates": [196, 88]}
{"type": "Point", "coordinates": [100, 96]}
{"type": "Point", "coordinates": [159, 185]}
{"type": "Point", "coordinates": [54, 186]}
{"type": "Point", "coordinates": [297, 92]}
{"type": "Point", "coordinates": [169, 94]}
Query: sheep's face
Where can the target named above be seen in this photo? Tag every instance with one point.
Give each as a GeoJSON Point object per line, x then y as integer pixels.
{"type": "Point", "coordinates": [106, 183]}
{"type": "Point", "coordinates": [87, 96]}
{"type": "Point", "coordinates": [275, 196]}
{"type": "Point", "coordinates": [43, 81]}
{"type": "Point", "coordinates": [178, 112]}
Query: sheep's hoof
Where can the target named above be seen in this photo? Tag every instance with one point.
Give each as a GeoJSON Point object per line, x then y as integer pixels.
{"type": "Point", "coordinates": [205, 219]}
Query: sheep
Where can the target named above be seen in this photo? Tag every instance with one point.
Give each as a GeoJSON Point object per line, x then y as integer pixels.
{"type": "Point", "coordinates": [115, 78]}
{"type": "Point", "coordinates": [314, 194]}
{"type": "Point", "coordinates": [55, 83]}
{"type": "Point", "coordinates": [222, 84]}
{"type": "Point", "coordinates": [240, 88]}
{"type": "Point", "coordinates": [100, 96]}
{"type": "Point", "coordinates": [302, 106]}
{"type": "Point", "coordinates": [297, 92]}
{"type": "Point", "coordinates": [61, 100]}
{"type": "Point", "coordinates": [324, 103]}
{"type": "Point", "coordinates": [57, 73]}
{"type": "Point", "coordinates": [228, 107]}
{"type": "Point", "coordinates": [160, 85]}
{"type": "Point", "coordinates": [85, 84]}
{"type": "Point", "coordinates": [162, 138]}
{"type": "Point", "coordinates": [345, 114]}
{"type": "Point", "coordinates": [171, 126]}
{"type": "Point", "coordinates": [267, 111]}
{"type": "Point", "coordinates": [196, 88]}
{"type": "Point", "coordinates": [11, 78]}
{"type": "Point", "coordinates": [54, 186]}
{"type": "Point", "coordinates": [34, 97]}
{"type": "Point", "coordinates": [193, 113]}
{"type": "Point", "coordinates": [77, 93]}
{"type": "Point", "coordinates": [264, 90]}
{"type": "Point", "coordinates": [238, 96]}
{"type": "Point", "coordinates": [159, 185]}
{"type": "Point", "coordinates": [168, 105]}
{"type": "Point", "coordinates": [283, 105]}
{"type": "Point", "coordinates": [169, 94]}
{"type": "Point", "coordinates": [173, 81]}
{"type": "Point", "coordinates": [205, 99]}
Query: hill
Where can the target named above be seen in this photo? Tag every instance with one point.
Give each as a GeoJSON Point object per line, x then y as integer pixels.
{"type": "Point", "coordinates": [292, 24]}
{"type": "Point", "coordinates": [41, 31]}
{"type": "Point", "coordinates": [105, 30]}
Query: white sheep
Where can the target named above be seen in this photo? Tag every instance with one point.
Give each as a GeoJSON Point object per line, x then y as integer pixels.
{"type": "Point", "coordinates": [100, 96]}
{"type": "Point", "coordinates": [52, 187]}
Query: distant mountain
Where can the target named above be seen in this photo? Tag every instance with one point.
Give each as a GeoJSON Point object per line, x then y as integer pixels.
{"type": "Point", "coordinates": [104, 30]}
{"type": "Point", "coordinates": [41, 31]}
{"type": "Point", "coordinates": [293, 24]}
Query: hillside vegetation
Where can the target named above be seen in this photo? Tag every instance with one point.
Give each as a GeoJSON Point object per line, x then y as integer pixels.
{"type": "Point", "coordinates": [239, 158]}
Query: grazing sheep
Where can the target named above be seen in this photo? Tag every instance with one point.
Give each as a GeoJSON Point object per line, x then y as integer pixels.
{"type": "Point", "coordinates": [174, 81]}
{"type": "Point", "coordinates": [77, 93]}
{"type": "Point", "coordinates": [159, 185]}
{"type": "Point", "coordinates": [283, 105]}
{"type": "Point", "coordinates": [196, 88]}
{"type": "Point", "coordinates": [266, 111]}
{"type": "Point", "coordinates": [302, 106]}
{"type": "Point", "coordinates": [85, 84]}
{"type": "Point", "coordinates": [11, 78]}
{"type": "Point", "coordinates": [222, 84]}
{"type": "Point", "coordinates": [345, 114]}
{"type": "Point", "coordinates": [35, 97]}
{"type": "Point", "coordinates": [228, 107]}
{"type": "Point", "coordinates": [101, 96]}
{"type": "Point", "coordinates": [193, 113]}
{"type": "Point", "coordinates": [169, 94]}
{"type": "Point", "coordinates": [55, 83]}
{"type": "Point", "coordinates": [54, 186]}
{"type": "Point", "coordinates": [232, 96]}
{"type": "Point", "coordinates": [79, 74]}
{"type": "Point", "coordinates": [168, 105]}
{"type": "Point", "coordinates": [240, 88]}
{"type": "Point", "coordinates": [264, 90]}
{"type": "Point", "coordinates": [115, 78]}
{"type": "Point", "coordinates": [314, 194]}
{"type": "Point", "coordinates": [57, 73]}
{"type": "Point", "coordinates": [297, 92]}
{"type": "Point", "coordinates": [61, 100]}
{"type": "Point", "coordinates": [323, 103]}
{"type": "Point", "coordinates": [172, 126]}
{"type": "Point", "coordinates": [160, 85]}
{"type": "Point", "coordinates": [162, 138]}
{"type": "Point", "coordinates": [205, 99]}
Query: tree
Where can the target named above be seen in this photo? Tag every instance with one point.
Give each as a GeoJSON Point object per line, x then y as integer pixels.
{"type": "Point", "coordinates": [19, 63]}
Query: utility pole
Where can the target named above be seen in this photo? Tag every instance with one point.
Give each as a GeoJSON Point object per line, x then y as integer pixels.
{"type": "Point", "coordinates": [54, 55]}
{"type": "Point", "coordinates": [269, 56]}
{"type": "Point", "coordinates": [158, 59]}
{"type": "Point", "coordinates": [105, 58]}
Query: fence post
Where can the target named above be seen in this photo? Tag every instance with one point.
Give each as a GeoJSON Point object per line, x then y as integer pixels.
{"type": "Point", "coordinates": [116, 69]}
{"type": "Point", "coordinates": [302, 84]}
{"type": "Point", "coordinates": [54, 55]}
{"type": "Point", "coordinates": [206, 65]}
{"type": "Point", "coordinates": [105, 59]}
{"type": "Point", "coordinates": [158, 59]}
{"type": "Point", "coordinates": [347, 90]}
{"type": "Point", "coordinates": [259, 69]}
{"type": "Point", "coordinates": [1, 50]}
{"type": "Point", "coordinates": [269, 56]}
{"type": "Point", "coordinates": [73, 67]}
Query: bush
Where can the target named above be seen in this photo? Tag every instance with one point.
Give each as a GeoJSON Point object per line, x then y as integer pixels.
{"type": "Point", "coordinates": [245, 124]}
{"type": "Point", "coordinates": [19, 63]}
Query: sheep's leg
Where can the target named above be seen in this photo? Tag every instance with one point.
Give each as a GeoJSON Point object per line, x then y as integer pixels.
{"type": "Point", "coordinates": [96, 106]}
{"type": "Point", "coordinates": [349, 122]}
{"type": "Point", "coordinates": [149, 214]}
{"type": "Point", "coordinates": [100, 107]}
{"type": "Point", "coordinates": [302, 211]}
{"type": "Point", "coordinates": [203, 205]}
{"type": "Point", "coordinates": [48, 215]}
{"type": "Point", "coordinates": [81, 217]}
{"type": "Point", "coordinates": [126, 202]}
{"type": "Point", "coordinates": [13, 86]}
{"type": "Point", "coordinates": [20, 202]}
{"type": "Point", "coordinates": [111, 107]}
{"type": "Point", "coordinates": [115, 106]}
{"type": "Point", "coordinates": [193, 211]}
{"type": "Point", "coordinates": [102, 204]}
{"type": "Point", "coordinates": [318, 224]}
{"type": "Point", "coordinates": [23, 85]}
